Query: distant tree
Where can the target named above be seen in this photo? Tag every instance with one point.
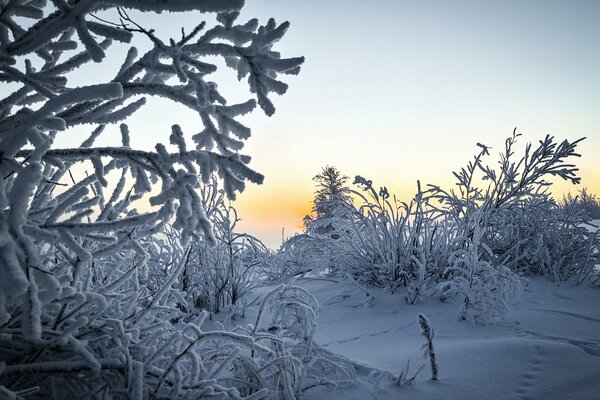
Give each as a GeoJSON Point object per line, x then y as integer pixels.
{"type": "Point", "coordinates": [331, 191]}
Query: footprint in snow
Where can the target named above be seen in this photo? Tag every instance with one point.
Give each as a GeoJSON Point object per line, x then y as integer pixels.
{"type": "Point", "coordinates": [529, 376]}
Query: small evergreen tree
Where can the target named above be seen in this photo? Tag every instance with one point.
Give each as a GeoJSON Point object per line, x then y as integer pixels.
{"type": "Point", "coordinates": [331, 190]}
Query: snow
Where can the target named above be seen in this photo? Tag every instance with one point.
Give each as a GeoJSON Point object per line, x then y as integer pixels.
{"type": "Point", "coordinates": [594, 225]}
{"type": "Point", "coordinates": [549, 346]}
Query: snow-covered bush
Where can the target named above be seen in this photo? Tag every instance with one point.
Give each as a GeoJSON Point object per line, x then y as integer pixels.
{"type": "Point", "coordinates": [89, 283]}
{"type": "Point", "coordinates": [221, 275]}
{"type": "Point", "coordinates": [484, 284]}
{"type": "Point", "coordinates": [524, 225]}
{"type": "Point", "coordinates": [299, 364]}
{"type": "Point", "coordinates": [510, 225]}
{"type": "Point", "coordinates": [584, 201]}
{"type": "Point", "coordinates": [382, 241]}
{"type": "Point", "coordinates": [472, 241]}
{"type": "Point", "coordinates": [542, 238]}
{"type": "Point", "coordinates": [378, 238]}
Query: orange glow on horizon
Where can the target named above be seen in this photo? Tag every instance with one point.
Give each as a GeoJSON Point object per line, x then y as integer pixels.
{"type": "Point", "coordinates": [265, 210]}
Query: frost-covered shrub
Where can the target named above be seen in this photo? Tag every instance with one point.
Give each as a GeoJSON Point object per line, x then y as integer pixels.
{"type": "Point", "coordinates": [379, 238]}
{"type": "Point", "coordinates": [585, 202]}
{"type": "Point", "coordinates": [103, 341]}
{"type": "Point", "coordinates": [90, 283]}
{"type": "Point", "coordinates": [221, 275]}
{"type": "Point", "coordinates": [299, 364]}
{"type": "Point", "coordinates": [542, 238]}
{"type": "Point", "coordinates": [471, 241]}
{"type": "Point", "coordinates": [524, 227]}
{"type": "Point", "coordinates": [302, 254]}
{"type": "Point", "coordinates": [484, 284]}
{"type": "Point", "coordinates": [511, 225]}
{"type": "Point", "coordinates": [382, 241]}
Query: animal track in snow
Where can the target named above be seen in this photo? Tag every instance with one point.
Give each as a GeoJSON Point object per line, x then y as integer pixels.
{"type": "Point", "coordinates": [370, 334]}
{"type": "Point", "coordinates": [529, 376]}
{"type": "Point", "coordinates": [591, 346]}
{"type": "Point", "coordinates": [570, 314]}
{"type": "Point", "coordinates": [378, 333]}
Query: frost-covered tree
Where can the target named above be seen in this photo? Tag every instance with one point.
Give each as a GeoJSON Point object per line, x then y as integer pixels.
{"type": "Point", "coordinates": [86, 286]}
{"type": "Point", "coordinates": [331, 190]}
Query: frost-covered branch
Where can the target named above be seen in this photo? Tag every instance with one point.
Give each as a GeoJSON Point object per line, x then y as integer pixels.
{"type": "Point", "coordinates": [90, 299]}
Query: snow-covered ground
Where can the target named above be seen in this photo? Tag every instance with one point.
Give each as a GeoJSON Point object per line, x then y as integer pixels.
{"type": "Point", "coordinates": [594, 226]}
{"type": "Point", "coordinates": [547, 348]}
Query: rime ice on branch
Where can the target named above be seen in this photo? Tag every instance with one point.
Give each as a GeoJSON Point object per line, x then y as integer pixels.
{"type": "Point", "coordinates": [75, 253]}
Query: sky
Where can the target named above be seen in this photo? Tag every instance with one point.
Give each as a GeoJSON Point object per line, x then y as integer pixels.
{"type": "Point", "coordinates": [402, 90]}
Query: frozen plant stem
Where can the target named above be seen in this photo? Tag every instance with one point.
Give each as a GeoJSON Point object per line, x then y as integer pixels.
{"type": "Point", "coordinates": [428, 333]}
